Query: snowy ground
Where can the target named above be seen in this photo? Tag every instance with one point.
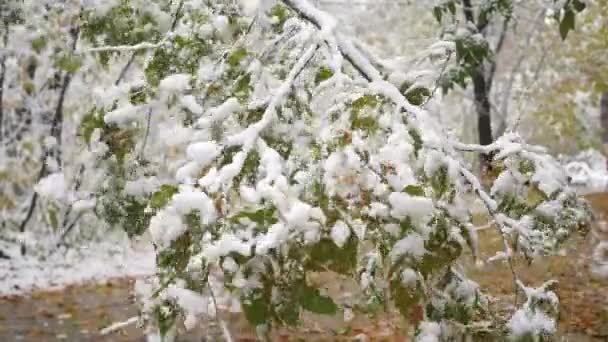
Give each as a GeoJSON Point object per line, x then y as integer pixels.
{"type": "Point", "coordinates": [93, 263]}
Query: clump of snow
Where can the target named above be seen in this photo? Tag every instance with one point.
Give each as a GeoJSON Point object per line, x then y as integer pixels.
{"type": "Point", "coordinates": [174, 134]}
{"type": "Point", "coordinates": [227, 243]}
{"type": "Point", "coordinates": [412, 245]}
{"type": "Point", "coordinates": [429, 332]}
{"type": "Point", "coordinates": [277, 234]}
{"type": "Point", "coordinates": [221, 112]}
{"type": "Point", "coordinates": [189, 200]}
{"type": "Point", "coordinates": [409, 276]}
{"type": "Point", "coordinates": [588, 171]}
{"type": "Point", "coordinates": [123, 115]}
{"type": "Point", "coordinates": [299, 214]}
{"type": "Point", "coordinates": [166, 226]}
{"type": "Point", "coordinates": [142, 186]}
{"type": "Point", "coordinates": [525, 322]}
{"type": "Point", "coordinates": [340, 233]}
{"type": "Point", "coordinates": [190, 103]}
{"type": "Point", "coordinates": [83, 205]}
{"type": "Point", "coordinates": [417, 208]}
{"type": "Point", "coordinates": [53, 187]}
{"type": "Point", "coordinates": [203, 152]}
{"type": "Point", "coordinates": [222, 26]}
{"type": "Point", "coordinates": [175, 83]}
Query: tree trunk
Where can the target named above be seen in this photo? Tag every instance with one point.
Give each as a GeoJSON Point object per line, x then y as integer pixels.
{"type": "Point", "coordinates": [482, 108]}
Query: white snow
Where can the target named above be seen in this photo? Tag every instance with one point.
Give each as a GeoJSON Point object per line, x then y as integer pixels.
{"type": "Point", "coordinates": [166, 226]}
{"type": "Point", "coordinates": [222, 26]}
{"type": "Point", "coordinates": [123, 115]}
{"type": "Point", "coordinates": [94, 262]}
{"type": "Point", "coordinates": [190, 103]}
{"type": "Point", "coordinates": [340, 233]}
{"type": "Point", "coordinates": [526, 322]}
{"type": "Point", "coordinates": [417, 208]}
{"type": "Point", "coordinates": [53, 187]}
{"type": "Point", "coordinates": [429, 332]}
{"type": "Point", "coordinates": [226, 244]}
{"type": "Point", "coordinates": [203, 152]}
{"type": "Point", "coordinates": [588, 171]}
{"type": "Point", "coordinates": [412, 245]}
{"type": "Point", "coordinates": [189, 200]}
{"type": "Point", "coordinates": [175, 83]}
{"type": "Point", "coordinates": [142, 186]}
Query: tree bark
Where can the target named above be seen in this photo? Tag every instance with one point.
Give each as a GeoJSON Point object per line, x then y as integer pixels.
{"type": "Point", "coordinates": [482, 82]}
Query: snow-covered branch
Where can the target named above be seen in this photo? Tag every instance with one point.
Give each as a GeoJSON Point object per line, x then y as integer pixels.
{"type": "Point", "coordinates": [124, 48]}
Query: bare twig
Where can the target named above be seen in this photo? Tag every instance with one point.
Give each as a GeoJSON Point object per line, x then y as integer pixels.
{"type": "Point", "coordinates": [219, 321]}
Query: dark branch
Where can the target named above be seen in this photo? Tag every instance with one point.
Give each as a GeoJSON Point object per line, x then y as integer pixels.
{"type": "Point", "coordinates": [497, 49]}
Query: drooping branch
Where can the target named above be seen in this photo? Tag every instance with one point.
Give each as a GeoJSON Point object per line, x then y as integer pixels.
{"type": "Point", "coordinates": [365, 67]}
{"type": "Point", "coordinates": [251, 133]}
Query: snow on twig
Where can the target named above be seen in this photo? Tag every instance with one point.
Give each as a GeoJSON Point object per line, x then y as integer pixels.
{"type": "Point", "coordinates": [123, 48]}
{"type": "Point", "coordinates": [117, 326]}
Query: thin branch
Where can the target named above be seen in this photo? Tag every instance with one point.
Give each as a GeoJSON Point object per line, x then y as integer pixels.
{"type": "Point", "coordinates": [147, 133]}
{"type": "Point", "coordinates": [350, 53]}
{"type": "Point", "coordinates": [219, 321]}
{"type": "Point", "coordinates": [117, 326]}
{"type": "Point", "coordinates": [123, 48]}
{"type": "Point", "coordinates": [2, 76]}
{"type": "Point", "coordinates": [251, 133]}
{"type": "Point", "coordinates": [177, 14]}
{"type": "Point", "coordinates": [123, 71]}
{"type": "Point", "coordinates": [497, 49]}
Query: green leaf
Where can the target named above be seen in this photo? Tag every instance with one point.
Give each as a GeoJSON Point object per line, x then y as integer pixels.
{"type": "Point", "coordinates": [405, 298]}
{"type": "Point", "coordinates": [162, 197]}
{"type": "Point", "coordinates": [53, 217]}
{"type": "Point", "coordinates": [256, 306]}
{"type": "Point", "coordinates": [312, 300]}
{"type": "Point", "coordinates": [90, 122]}
{"type": "Point", "coordinates": [418, 95]}
{"type": "Point", "coordinates": [414, 190]}
{"type": "Point", "coordinates": [68, 63]}
{"type": "Point", "coordinates": [264, 217]}
{"type": "Point", "coordinates": [243, 88]}
{"type": "Point", "coordinates": [280, 12]}
{"type": "Point", "coordinates": [39, 43]}
{"type": "Point", "coordinates": [578, 5]}
{"type": "Point", "coordinates": [325, 254]}
{"type": "Point", "coordinates": [323, 74]}
{"type": "Point", "coordinates": [417, 140]}
{"type": "Point", "coordinates": [235, 58]}
{"type": "Point", "coordinates": [567, 23]}
{"type": "Point", "coordinates": [437, 13]}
